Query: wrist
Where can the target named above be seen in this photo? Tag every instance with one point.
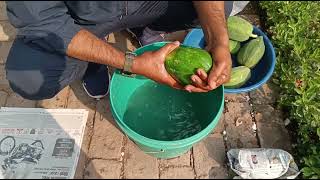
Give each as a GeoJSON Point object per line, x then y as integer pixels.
{"type": "Point", "coordinates": [128, 61]}
{"type": "Point", "coordinates": [216, 38]}
{"type": "Point", "coordinates": [135, 68]}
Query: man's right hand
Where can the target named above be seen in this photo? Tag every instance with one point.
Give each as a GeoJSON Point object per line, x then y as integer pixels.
{"type": "Point", "coordinates": [87, 47]}
{"type": "Point", "coordinates": [151, 65]}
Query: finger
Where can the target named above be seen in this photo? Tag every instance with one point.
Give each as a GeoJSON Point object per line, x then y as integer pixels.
{"type": "Point", "coordinates": [221, 80]}
{"type": "Point", "coordinates": [202, 74]}
{"type": "Point", "coordinates": [198, 82]}
{"type": "Point", "coordinates": [173, 83]}
{"type": "Point", "coordinates": [169, 48]}
{"type": "Point", "coordinates": [213, 76]}
{"type": "Point", "coordinates": [191, 88]}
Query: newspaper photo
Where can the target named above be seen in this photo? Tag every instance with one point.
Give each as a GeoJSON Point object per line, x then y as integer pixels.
{"type": "Point", "coordinates": [40, 143]}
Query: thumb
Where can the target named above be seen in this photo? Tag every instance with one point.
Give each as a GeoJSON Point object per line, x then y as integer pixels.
{"type": "Point", "coordinates": [169, 48]}
{"type": "Point", "coordinates": [213, 76]}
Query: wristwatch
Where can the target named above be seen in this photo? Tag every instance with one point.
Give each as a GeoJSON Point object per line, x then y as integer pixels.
{"type": "Point", "coordinates": [129, 58]}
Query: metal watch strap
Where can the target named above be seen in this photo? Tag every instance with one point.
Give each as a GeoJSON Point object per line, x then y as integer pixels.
{"type": "Point", "coordinates": [128, 61]}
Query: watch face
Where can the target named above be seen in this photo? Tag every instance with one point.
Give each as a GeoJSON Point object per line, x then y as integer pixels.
{"type": "Point", "coordinates": [131, 53]}
{"type": "Point", "coordinates": [128, 61]}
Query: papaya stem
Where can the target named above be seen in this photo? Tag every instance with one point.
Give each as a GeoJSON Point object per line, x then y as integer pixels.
{"type": "Point", "coordinates": [253, 35]}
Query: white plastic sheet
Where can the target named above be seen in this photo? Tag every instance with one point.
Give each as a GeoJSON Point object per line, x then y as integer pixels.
{"type": "Point", "coordinates": [260, 163]}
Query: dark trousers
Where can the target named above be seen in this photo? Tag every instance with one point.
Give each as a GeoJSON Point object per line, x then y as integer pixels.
{"type": "Point", "coordinates": [36, 74]}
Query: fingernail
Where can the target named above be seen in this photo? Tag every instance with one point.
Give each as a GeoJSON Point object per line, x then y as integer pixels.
{"type": "Point", "coordinates": [187, 89]}
{"type": "Point", "coordinates": [201, 73]}
{"type": "Point", "coordinates": [176, 42]}
{"type": "Point", "coordinates": [212, 85]}
{"type": "Point", "coordinates": [193, 78]}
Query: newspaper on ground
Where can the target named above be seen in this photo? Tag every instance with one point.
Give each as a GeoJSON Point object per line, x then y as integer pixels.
{"type": "Point", "coordinates": [261, 163]}
{"type": "Point", "coordinates": [40, 143]}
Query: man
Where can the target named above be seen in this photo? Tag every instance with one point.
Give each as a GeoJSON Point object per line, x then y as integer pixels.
{"type": "Point", "coordinates": [61, 41]}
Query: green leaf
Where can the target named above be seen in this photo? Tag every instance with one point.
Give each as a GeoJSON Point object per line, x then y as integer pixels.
{"type": "Point", "coordinates": [315, 170]}
{"type": "Point", "coordinates": [307, 171]}
{"type": "Point", "coordinates": [318, 132]}
{"type": "Point", "coordinates": [298, 90]}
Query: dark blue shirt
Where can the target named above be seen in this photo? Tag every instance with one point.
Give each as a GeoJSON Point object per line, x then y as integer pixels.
{"type": "Point", "coordinates": [52, 24]}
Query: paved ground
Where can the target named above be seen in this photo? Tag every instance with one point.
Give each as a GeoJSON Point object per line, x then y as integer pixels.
{"type": "Point", "coordinates": [249, 120]}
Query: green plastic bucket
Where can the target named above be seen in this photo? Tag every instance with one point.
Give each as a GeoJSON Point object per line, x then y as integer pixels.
{"type": "Point", "coordinates": [208, 106]}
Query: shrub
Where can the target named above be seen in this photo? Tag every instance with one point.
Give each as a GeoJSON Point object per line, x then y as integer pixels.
{"type": "Point", "coordinates": [294, 28]}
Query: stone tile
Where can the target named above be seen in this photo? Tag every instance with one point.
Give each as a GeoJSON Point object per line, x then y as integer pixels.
{"type": "Point", "coordinates": [183, 160]}
{"type": "Point", "coordinates": [273, 136]}
{"type": "Point", "coordinates": [58, 101]}
{"type": "Point", "coordinates": [3, 98]}
{"type": "Point", "coordinates": [2, 72]}
{"type": "Point", "coordinates": [239, 124]}
{"type": "Point", "coordinates": [267, 94]}
{"type": "Point", "coordinates": [7, 31]}
{"type": "Point", "coordinates": [241, 97]}
{"type": "Point", "coordinates": [107, 139]}
{"type": "Point", "coordinates": [250, 9]}
{"type": "Point", "coordinates": [4, 51]}
{"type": "Point", "coordinates": [209, 153]}
{"type": "Point", "coordinates": [268, 114]}
{"type": "Point", "coordinates": [220, 126]}
{"type": "Point", "coordinates": [253, 19]}
{"type": "Point", "coordinates": [177, 173]}
{"type": "Point", "coordinates": [121, 40]}
{"type": "Point", "coordinates": [77, 99]}
{"type": "Point", "coordinates": [139, 165]}
{"type": "Point", "coordinates": [3, 11]}
{"type": "Point", "coordinates": [103, 169]}
{"type": "Point", "coordinates": [4, 84]}
{"type": "Point", "coordinates": [104, 109]}
{"type": "Point", "coordinates": [218, 173]}
{"type": "Point", "coordinates": [14, 100]}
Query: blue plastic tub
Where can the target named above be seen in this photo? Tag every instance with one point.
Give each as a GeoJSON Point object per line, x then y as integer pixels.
{"type": "Point", "coordinates": [260, 74]}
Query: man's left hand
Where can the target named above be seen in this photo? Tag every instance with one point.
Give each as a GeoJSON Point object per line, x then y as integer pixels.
{"type": "Point", "coordinates": [219, 74]}
{"type": "Point", "coordinates": [221, 71]}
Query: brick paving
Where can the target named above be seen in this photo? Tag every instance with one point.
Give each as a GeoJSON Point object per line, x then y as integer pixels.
{"type": "Point", "coordinates": [107, 153]}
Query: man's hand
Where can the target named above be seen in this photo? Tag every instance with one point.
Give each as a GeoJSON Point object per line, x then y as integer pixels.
{"type": "Point", "coordinates": [221, 71]}
{"type": "Point", "coordinates": [151, 65]}
{"type": "Point", "coordinates": [219, 74]}
{"type": "Point", "coordinates": [212, 19]}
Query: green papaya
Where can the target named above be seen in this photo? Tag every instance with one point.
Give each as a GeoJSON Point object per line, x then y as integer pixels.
{"type": "Point", "coordinates": [239, 76]}
{"type": "Point", "coordinates": [234, 46]}
{"type": "Point", "coordinates": [183, 62]}
{"type": "Point", "coordinates": [239, 29]}
{"type": "Point", "coordinates": [250, 54]}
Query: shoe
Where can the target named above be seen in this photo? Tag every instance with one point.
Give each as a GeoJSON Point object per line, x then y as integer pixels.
{"type": "Point", "coordinates": [147, 36]}
{"type": "Point", "coordinates": [96, 82]}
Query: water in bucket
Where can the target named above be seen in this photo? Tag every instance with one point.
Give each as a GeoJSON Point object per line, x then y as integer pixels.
{"type": "Point", "coordinates": [161, 113]}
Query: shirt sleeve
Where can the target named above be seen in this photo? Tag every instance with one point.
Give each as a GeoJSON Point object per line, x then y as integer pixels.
{"type": "Point", "coordinates": [44, 23]}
